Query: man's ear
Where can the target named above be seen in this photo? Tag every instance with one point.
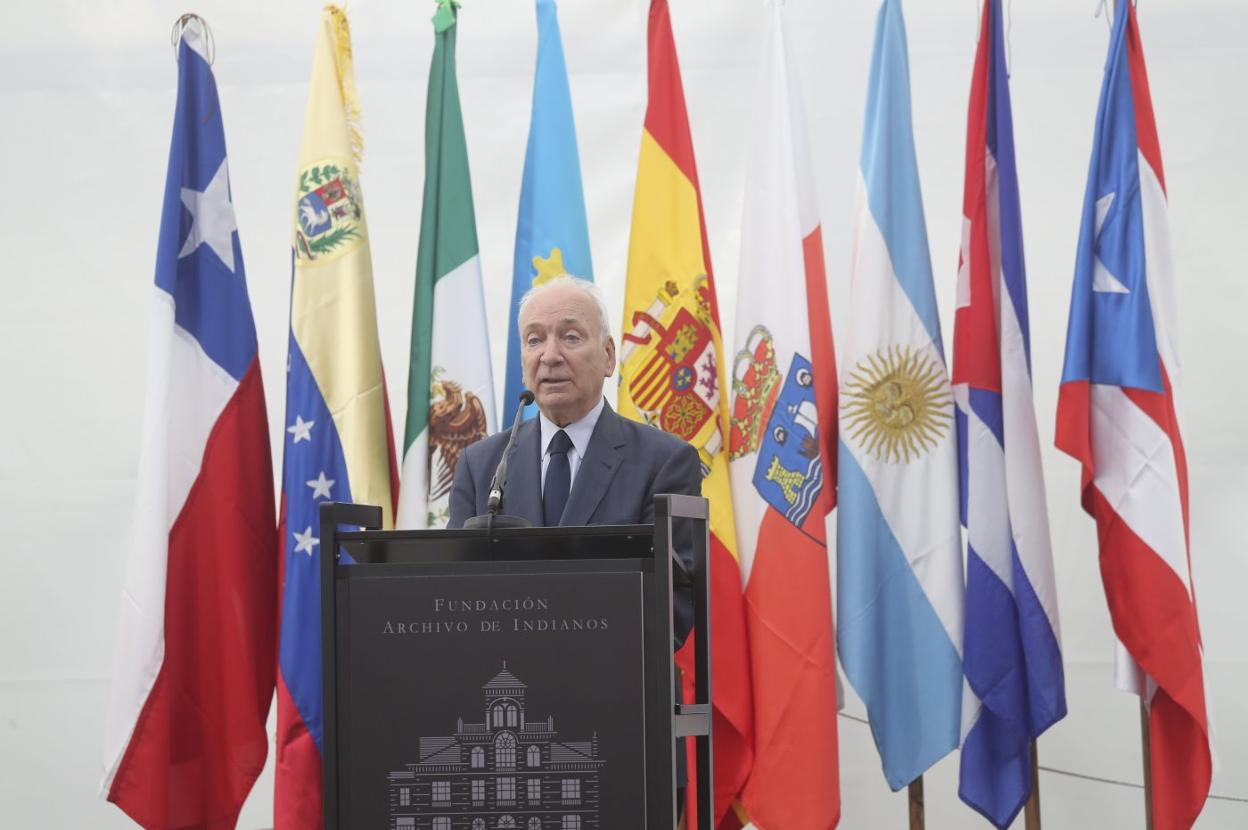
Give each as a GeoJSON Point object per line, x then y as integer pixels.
{"type": "Point", "coordinates": [610, 358]}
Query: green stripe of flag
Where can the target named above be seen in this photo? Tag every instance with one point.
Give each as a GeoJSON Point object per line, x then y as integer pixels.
{"type": "Point", "coordinates": [450, 390]}
{"type": "Point", "coordinates": [448, 229]}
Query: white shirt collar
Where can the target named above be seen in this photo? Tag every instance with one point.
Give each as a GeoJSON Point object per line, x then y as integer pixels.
{"type": "Point", "coordinates": [579, 431]}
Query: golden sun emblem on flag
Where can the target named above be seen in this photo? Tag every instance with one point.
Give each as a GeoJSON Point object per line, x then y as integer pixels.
{"type": "Point", "coordinates": [896, 404]}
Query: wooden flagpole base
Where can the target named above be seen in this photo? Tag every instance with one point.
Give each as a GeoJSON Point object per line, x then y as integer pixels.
{"type": "Point", "coordinates": [915, 791]}
{"type": "Point", "coordinates": [1146, 745]}
{"type": "Point", "coordinates": [1031, 810]}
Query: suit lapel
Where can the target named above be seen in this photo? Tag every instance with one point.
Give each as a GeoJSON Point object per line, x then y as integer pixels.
{"type": "Point", "coordinates": [602, 460]}
{"type": "Point", "coordinates": [523, 496]}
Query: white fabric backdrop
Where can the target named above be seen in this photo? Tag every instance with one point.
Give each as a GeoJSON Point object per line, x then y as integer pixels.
{"type": "Point", "coordinates": [87, 92]}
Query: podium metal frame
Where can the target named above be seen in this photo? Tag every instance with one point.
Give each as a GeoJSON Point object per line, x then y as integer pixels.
{"type": "Point", "coordinates": [535, 550]}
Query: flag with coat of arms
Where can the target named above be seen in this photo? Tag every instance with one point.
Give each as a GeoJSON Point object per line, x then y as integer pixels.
{"type": "Point", "coordinates": [450, 386]}
{"type": "Point", "coordinates": [338, 444]}
{"type": "Point", "coordinates": [782, 459]}
{"type": "Point", "coordinates": [671, 376]}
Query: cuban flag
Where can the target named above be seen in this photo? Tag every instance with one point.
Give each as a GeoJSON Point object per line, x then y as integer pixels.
{"type": "Point", "coordinates": [899, 557]}
{"type": "Point", "coordinates": [1011, 647]}
{"type": "Point", "coordinates": [185, 735]}
{"type": "Point", "coordinates": [552, 234]}
{"type": "Point", "coordinates": [1117, 414]}
{"type": "Point", "coordinates": [338, 443]}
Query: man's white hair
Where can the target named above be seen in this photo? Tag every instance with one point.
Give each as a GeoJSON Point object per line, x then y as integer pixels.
{"type": "Point", "coordinates": [584, 286]}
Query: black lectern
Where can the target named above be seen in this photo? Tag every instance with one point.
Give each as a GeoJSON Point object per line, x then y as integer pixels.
{"type": "Point", "coordinates": [519, 678]}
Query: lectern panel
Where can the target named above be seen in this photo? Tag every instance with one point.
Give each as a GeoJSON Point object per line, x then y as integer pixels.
{"type": "Point", "coordinates": [477, 702]}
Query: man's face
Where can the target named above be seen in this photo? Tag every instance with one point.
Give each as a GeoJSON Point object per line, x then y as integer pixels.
{"type": "Point", "coordinates": [564, 356]}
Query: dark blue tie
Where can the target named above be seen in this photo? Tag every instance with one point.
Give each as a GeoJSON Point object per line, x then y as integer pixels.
{"type": "Point", "coordinates": [558, 479]}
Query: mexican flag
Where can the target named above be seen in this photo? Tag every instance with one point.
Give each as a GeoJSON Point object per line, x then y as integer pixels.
{"type": "Point", "coordinates": [450, 389]}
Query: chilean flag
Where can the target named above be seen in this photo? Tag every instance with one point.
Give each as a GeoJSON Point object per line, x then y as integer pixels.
{"type": "Point", "coordinates": [1117, 414]}
{"type": "Point", "coordinates": [185, 736]}
{"type": "Point", "coordinates": [1011, 647]}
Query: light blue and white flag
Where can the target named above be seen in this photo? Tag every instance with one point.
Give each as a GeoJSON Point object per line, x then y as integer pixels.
{"type": "Point", "coordinates": [899, 571]}
{"type": "Point", "coordinates": [552, 236]}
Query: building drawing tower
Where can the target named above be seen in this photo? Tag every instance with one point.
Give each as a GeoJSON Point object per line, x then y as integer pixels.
{"type": "Point", "coordinates": [509, 772]}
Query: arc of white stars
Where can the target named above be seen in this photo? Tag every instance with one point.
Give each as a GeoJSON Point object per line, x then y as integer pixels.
{"type": "Point", "coordinates": [320, 486]}
{"type": "Point", "coordinates": [304, 542]}
{"type": "Point", "coordinates": [301, 429]}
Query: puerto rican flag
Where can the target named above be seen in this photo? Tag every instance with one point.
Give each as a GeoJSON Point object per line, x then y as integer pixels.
{"type": "Point", "coordinates": [1011, 649]}
{"type": "Point", "coordinates": [185, 736]}
{"type": "Point", "coordinates": [1117, 414]}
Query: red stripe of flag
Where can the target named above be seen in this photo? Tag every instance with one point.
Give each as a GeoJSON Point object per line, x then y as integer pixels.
{"type": "Point", "coordinates": [199, 742]}
{"type": "Point", "coordinates": [1153, 615]}
{"type": "Point", "coordinates": [977, 355]}
{"type": "Point", "coordinates": [1145, 124]}
{"type": "Point", "coordinates": [667, 123]}
{"type": "Point", "coordinates": [795, 782]}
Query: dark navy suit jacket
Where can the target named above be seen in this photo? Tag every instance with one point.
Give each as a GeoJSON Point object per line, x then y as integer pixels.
{"type": "Point", "coordinates": [625, 465]}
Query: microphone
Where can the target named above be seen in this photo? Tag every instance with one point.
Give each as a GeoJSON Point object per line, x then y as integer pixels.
{"type": "Point", "coordinates": [499, 481]}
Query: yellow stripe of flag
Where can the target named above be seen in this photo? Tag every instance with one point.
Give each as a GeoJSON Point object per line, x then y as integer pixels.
{"type": "Point", "coordinates": [333, 314]}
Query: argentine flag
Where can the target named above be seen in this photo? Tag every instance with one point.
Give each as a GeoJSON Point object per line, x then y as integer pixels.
{"type": "Point", "coordinates": [899, 566]}
{"type": "Point", "coordinates": [552, 236]}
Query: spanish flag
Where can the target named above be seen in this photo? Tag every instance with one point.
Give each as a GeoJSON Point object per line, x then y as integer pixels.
{"type": "Point", "coordinates": [671, 376]}
{"type": "Point", "coordinates": [338, 443]}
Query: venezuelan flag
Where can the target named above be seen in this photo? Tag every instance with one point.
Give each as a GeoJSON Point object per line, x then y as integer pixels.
{"type": "Point", "coordinates": [338, 443]}
{"type": "Point", "coordinates": [671, 324]}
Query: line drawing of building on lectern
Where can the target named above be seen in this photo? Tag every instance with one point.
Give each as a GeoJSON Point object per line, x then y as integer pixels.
{"type": "Point", "coordinates": [509, 772]}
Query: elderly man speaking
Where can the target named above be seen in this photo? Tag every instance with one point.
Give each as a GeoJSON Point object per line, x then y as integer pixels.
{"type": "Point", "coordinates": [578, 463]}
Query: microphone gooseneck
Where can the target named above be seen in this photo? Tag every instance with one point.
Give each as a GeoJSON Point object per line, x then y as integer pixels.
{"type": "Point", "coordinates": [491, 519]}
{"type": "Point", "coordinates": [499, 481]}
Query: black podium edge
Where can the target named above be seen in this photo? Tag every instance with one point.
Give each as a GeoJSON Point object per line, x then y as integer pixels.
{"type": "Point", "coordinates": [687, 720]}
{"type": "Point", "coordinates": [693, 719]}
{"type": "Point", "coordinates": [333, 514]}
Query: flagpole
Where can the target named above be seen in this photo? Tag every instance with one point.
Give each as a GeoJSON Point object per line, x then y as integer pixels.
{"type": "Point", "coordinates": [915, 791]}
{"type": "Point", "coordinates": [1031, 811]}
{"type": "Point", "coordinates": [1146, 744]}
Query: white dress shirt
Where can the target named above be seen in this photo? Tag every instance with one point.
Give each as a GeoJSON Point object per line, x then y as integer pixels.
{"type": "Point", "coordinates": [579, 431]}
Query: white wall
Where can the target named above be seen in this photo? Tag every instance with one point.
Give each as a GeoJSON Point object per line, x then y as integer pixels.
{"type": "Point", "coordinates": [87, 91]}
